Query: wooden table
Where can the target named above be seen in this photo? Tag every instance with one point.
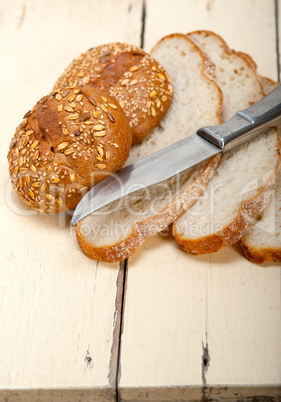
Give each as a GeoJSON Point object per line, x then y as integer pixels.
{"type": "Point", "coordinates": [164, 325]}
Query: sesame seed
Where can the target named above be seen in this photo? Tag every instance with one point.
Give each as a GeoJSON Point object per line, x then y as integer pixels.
{"type": "Point", "coordinates": [98, 127]}
{"type": "Point", "coordinates": [34, 144]}
{"type": "Point", "coordinates": [134, 68]}
{"type": "Point", "coordinates": [68, 151]}
{"type": "Point", "coordinates": [72, 176]}
{"type": "Point", "coordinates": [73, 116]}
{"type": "Point", "coordinates": [68, 108]}
{"type": "Point", "coordinates": [101, 165]}
{"type": "Point", "coordinates": [29, 132]}
{"type": "Point", "coordinates": [124, 82]}
{"type": "Point", "coordinates": [50, 197]}
{"type": "Point", "coordinates": [62, 145]}
{"type": "Point", "coordinates": [71, 98]}
{"type": "Point", "coordinates": [100, 151]}
{"type": "Point", "coordinates": [25, 141]}
{"type": "Point", "coordinates": [59, 201]}
{"type": "Point", "coordinates": [100, 134]}
{"type": "Point", "coordinates": [64, 94]}
{"type": "Point", "coordinates": [95, 114]}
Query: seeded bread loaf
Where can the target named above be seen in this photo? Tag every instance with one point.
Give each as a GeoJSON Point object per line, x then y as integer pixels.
{"type": "Point", "coordinates": [263, 242]}
{"type": "Point", "coordinates": [246, 176]}
{"type": "Point", "coordinates": [138, 82]}
{"type": "Point", "coordinates": [114, 232]}
{"type": "Point", "coordinates": [69, 141]}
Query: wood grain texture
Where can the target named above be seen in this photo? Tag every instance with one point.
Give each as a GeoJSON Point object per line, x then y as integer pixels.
{"type": "Point", "coordinates": [59, 310]}
{"type": "Point", "coordinates": [197, 328]}
{"type": "Point", "coordinates": [192, 328]}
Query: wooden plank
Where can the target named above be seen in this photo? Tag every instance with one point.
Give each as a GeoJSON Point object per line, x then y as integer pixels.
{"type": "Point", "coordinates": [197, 328]}
{"type": "Point", "coordinates": [59, 311]}
{"type": "Point", "coordinates": [238, 22]}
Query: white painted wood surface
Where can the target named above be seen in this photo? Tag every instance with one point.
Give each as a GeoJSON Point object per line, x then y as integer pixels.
{"type": "Point", "coordinates": [59, 311]}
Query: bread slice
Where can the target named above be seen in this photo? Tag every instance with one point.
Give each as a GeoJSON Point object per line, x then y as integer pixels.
{"type": "Point", "coordinates": [115, 231]}
{"type": "Point", "coordinates": [263, 242]}
{"type": "Point", "coordinates": [246, 176]}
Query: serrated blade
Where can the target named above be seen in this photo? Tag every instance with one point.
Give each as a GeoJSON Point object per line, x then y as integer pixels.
{"type": "Point", "coordinates": [151, 170]}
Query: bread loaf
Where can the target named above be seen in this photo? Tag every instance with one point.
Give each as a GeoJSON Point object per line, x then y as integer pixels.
{"type": "Point", "coordinates": [114, 232]}
{"type": "Point", "coordinates": [246, 176]}
{"type": "Point", "coordinates": [138, 82]}
{"type": "Point", "coordinates": [69, 141]}
{"type": "Point", "coordinates": [263, 242]}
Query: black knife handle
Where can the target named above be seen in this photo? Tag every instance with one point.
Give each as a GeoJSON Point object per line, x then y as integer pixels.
{"type": "Point", "coordinates": [247, 123]}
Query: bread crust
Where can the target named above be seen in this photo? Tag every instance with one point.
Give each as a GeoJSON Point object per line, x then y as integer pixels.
{"type": "Point", "coordinates": [261, 255]}
{"type": "Point", "coordinates": [141, 229]}
{"type": "Point", "coordinates": [246, 57]}
{"type": "Point", "coordinates": [247, 210]}
{"type": "Point", "coordinates": [241, 224]}
{"type": "Point", "coordinates": [138, 82]}
{"type": "Point", "coordinates": [72, 139]}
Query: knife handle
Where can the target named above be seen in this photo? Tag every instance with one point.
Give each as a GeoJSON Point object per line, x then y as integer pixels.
{"type": "Point", "coordinates": [247, 123]}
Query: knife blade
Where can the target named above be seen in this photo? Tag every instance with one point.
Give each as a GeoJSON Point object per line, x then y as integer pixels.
{"type": "Point", "coordinates": [205, 143]}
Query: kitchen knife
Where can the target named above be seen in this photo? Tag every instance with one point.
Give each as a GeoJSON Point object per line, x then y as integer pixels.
{"type": "Point", "coordinates": [205, 143]}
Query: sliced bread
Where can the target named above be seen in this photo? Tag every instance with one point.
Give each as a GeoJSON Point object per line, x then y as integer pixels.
{"type": "Point", "coordinates": [115, 231]}
{"type": "Point", "coordinates": [263, 242]}
{"type": "Point", "coordinates": [246, 176]}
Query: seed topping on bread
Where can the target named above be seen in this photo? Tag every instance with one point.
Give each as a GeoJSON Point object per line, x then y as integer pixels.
{"type": "Point", "coordinates": [138, 82]}
{"type": "Point", "coordinates": [65, 144]}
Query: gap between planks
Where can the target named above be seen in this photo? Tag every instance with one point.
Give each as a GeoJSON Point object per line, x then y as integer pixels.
{"type": "Point", "coordinates": [115, 357]}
